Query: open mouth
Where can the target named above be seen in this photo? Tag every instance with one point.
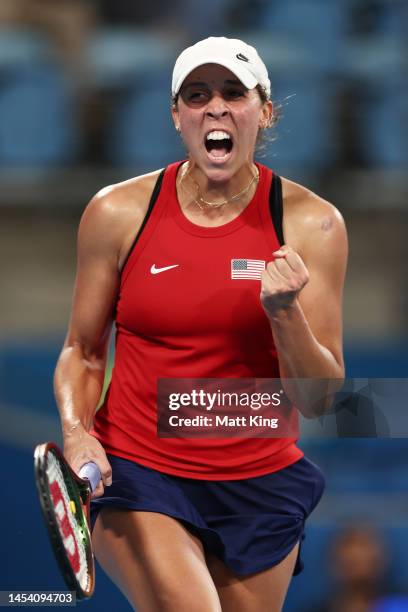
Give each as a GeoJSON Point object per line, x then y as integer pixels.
{"type": "Point", "coordinates": [218, 144]}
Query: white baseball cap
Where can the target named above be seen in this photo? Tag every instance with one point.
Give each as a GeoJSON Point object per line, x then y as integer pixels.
{"type": "Point", "coordinates": [232, 53]}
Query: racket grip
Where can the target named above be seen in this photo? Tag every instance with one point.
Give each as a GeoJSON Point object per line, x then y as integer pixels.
{"type": "Point", "coordinates": [91, 472]}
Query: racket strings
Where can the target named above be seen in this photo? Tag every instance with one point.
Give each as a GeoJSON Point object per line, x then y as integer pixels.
{"type": "Point", "coordinates": [70, 520]}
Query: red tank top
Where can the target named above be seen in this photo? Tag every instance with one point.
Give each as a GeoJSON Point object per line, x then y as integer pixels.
{"type": "Point", "coordinates": [191, 321]}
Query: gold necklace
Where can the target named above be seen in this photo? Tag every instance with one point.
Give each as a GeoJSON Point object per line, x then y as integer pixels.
{"type": "Point", "coordinates": [202, 203]}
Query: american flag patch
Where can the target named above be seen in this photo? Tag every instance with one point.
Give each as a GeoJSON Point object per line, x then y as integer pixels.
{"type": "Point", "coordinates": [247, 268]}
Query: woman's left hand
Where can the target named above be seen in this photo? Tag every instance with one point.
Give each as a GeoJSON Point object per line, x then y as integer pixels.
{"type": "Point", "coordinates": [282, 280]}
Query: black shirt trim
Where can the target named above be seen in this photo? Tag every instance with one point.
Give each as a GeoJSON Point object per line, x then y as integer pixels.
{"type": "Point", "coordinates": [153, 199]}
{"type": "Point", "coordinates": [276, 207]}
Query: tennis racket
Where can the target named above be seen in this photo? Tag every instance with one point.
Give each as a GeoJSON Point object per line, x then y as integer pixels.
{"type": "Point", "coordinates": [64, 499]}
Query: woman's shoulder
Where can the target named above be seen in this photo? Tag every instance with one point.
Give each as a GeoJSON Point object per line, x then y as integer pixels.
{"type": "Point", "coordinates": [129, 196]}
{"type": "Point", "coordinates": [120, 205]}
{"type": "Point", "coordinates": [302, 205]}
{"type": "Point", "coordinates": [114, 215]}
{"type": "Point", "coordinates": [300, 200]}
{"type": "Point", "coordinates": [308, 215]}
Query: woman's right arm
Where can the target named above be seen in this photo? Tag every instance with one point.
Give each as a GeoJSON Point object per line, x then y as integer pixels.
{"type": "Point", "coordinates": [80, 370]}
{"type": "Point", "coordinates": [106, 233]}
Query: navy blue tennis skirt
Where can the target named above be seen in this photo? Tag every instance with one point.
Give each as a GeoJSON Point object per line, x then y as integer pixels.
{"type": "Point", "coordinates": [249, 524]}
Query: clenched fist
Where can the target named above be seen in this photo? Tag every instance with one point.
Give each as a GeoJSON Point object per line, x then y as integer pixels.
{"type": "Point", "coordinates": [282, 280]}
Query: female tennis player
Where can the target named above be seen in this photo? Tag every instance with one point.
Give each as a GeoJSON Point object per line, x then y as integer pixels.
{"type": "Point", "coordinates": [201, 525]}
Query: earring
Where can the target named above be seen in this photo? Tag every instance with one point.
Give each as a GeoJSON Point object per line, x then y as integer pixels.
{"type": "Point", "coordinates": [266, 124]}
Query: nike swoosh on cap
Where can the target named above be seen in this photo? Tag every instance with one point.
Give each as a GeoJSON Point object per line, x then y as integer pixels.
{"type": "Point", "coordinates": [155, 270]}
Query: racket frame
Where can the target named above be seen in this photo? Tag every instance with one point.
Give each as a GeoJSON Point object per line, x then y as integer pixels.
{"type": "Point", "coordinates": [81, 493]}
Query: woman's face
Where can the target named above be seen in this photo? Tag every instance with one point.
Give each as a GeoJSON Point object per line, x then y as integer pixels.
{"type": "Point", "coordinates": [219, 120]}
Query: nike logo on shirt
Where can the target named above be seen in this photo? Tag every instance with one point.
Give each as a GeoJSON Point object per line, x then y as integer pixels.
{"type": "Point", "coordinates": [155, 270]}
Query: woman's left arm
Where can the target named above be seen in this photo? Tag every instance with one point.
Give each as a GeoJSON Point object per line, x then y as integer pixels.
{"type": "Point", "coordinates": [302, 291]}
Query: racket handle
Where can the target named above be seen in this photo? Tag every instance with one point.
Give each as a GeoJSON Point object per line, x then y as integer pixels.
{"type": "Point", "coordinates": [91, 472]}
